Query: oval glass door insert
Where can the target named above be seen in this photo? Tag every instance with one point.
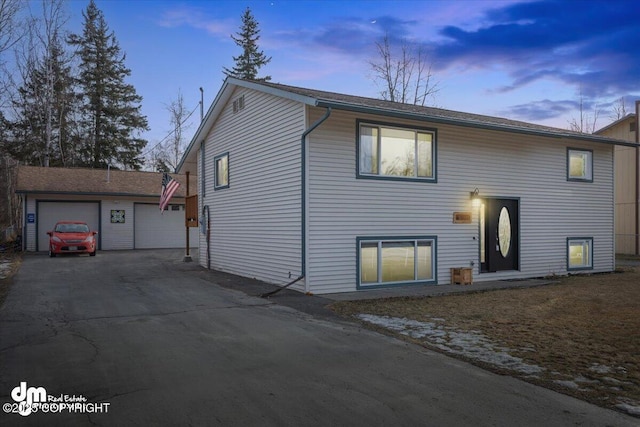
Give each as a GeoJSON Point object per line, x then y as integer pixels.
{"type": "Point", "coordinates": [504, 232]}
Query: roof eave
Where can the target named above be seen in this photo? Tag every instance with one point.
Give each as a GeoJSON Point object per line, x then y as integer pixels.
{"type": "Point", "coordinates": [617, 122]}
{"type": "Point", "coordinates": [467, 123]}
{"type": "Point", "coordinates": [93, 193]}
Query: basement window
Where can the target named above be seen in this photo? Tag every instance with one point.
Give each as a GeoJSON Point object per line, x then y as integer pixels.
{"type": "Point", "coordinates": [396, 261]}
{"type": "Point", "coordinates": [579, 253]}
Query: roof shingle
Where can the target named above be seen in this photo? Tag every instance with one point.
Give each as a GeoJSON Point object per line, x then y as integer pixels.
{"type": "Point", "coordinates": [35, 179]}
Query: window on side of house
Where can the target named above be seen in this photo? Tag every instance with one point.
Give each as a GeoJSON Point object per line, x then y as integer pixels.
{"type": "Point", "coordinates": [394, 152]}
{"type": "Point", "coordinates": [384, 262]}
{"type": "Point", "coordinates": [221, 171]}
{"type": "Point", "coordinates": [579, 253]}
{"type": "Point", "coordinates": [579, 165]}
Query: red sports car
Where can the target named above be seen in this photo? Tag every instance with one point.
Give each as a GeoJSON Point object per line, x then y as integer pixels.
{"type": "Point", "coordinates": [72, 237]}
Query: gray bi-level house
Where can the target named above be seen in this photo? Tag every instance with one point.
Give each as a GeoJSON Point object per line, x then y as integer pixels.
{"type": "Point", "coordinates": [357, 193]}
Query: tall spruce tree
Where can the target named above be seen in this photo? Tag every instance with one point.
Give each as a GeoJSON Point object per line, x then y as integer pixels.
{"type": "Point", "coordinates": [111, 118]}
{"type": "Point", "coordinates": [248, 63]}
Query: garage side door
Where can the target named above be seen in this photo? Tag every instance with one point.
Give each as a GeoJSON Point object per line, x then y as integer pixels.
{"type": "Point", "coordinates": [51, 212]}
{"type": "Point", "coordinates": [155, 231]}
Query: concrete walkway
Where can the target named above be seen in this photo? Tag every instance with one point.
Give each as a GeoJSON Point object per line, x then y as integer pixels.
{"type": "Point", "coordinates": [437, 290]}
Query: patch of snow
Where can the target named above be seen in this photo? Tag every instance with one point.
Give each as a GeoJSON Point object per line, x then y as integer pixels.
{"type": "Point", "coordinates": [5, 268]}
{"type": "Point", "coordinates": [630, 409]}
{"type": "Point", "coordinates": [472, 344]}
{"type": "Point", "coordinates": [567, 384]}
{"type": "Point", "coordinates": [601, 369]}
{"type": "Point", "coordinates": [581, 379]}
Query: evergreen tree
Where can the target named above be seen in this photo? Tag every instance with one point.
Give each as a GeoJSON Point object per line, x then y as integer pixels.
{"type": "Point", "coordinates": [111, 116]}
{"type": "Point", "coordinates": [248, 63]}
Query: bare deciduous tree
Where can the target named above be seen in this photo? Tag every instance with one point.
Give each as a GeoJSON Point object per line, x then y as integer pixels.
{"type": "Point", "coordinates": [405, 77]}
{"type": "Point", "coordinates": [166, 155]}
{"type": "Point", "coordinates": [10, 32]}
{"type": "Point", "coordinates": [619, 109]}
{"type": "Point", "coordinates": [586, 121]}
{"type": "Point", "coordinates": [42, 100]}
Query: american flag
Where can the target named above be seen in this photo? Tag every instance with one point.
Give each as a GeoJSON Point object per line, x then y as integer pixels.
{"type": "Point", "coordinates": [169, 186]}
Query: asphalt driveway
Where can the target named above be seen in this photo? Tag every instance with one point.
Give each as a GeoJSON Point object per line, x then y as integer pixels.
{"type": "Point", "coordinates": [141, 338]}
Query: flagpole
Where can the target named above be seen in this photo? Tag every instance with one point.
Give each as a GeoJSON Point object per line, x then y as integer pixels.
{"type": "Point", "coordinates": [187, 256]}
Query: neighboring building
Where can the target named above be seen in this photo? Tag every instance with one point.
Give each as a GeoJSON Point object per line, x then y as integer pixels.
{"type": "Point", "coordinates": [121, 205]}
{"type": "Point", "coordinates": [357, 193]}
{"type": "Point", "coordinates": [627, 182]}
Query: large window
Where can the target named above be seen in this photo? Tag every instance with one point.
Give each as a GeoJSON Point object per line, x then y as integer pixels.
{"type": "Point", "coordinates": [222, 171]}
{"type": "Point", "coordinates": [579, 165]}
{"type": "Point", "coordinates": [396, 261]}
{"type": "Point", "coordinates": [396, 152]}
{"type": "Point", "coordinates": [579, 253]}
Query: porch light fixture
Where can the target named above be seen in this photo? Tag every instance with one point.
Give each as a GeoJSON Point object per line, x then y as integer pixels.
{"type": "Point", "coordinates": [475, 197]}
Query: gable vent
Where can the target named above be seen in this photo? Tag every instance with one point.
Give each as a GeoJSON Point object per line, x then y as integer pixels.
{"type": "Point", "coordinates": [238, 104]}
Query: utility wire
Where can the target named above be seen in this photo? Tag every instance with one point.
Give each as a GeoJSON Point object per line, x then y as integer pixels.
{"type": "Point", "coordinates": [170, 133]}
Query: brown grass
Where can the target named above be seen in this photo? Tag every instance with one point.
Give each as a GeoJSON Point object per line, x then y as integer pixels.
{"type": "Point", "coordinates": [584, 331]}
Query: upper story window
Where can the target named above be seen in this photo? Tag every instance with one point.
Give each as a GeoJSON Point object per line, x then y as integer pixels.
{"type": "Point", "coordinates": [394, 152]}
{"type": "Point", "coordinates": [222, 171]}
{"type": "Point", "coordinates": [579, 165]}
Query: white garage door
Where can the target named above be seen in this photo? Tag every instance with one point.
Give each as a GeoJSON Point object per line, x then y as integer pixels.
{"type": "Point", "coordinates": [154, 230]}
{"type": "Point", "coordinates": [51, 212]}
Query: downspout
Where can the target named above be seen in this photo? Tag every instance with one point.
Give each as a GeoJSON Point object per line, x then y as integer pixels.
{"type": "Point", "coordinates": [303, 211]}
{"type": "Point", "coordinates": [205, 209]}
{"type": "Point", "coordinates": [303, 193]}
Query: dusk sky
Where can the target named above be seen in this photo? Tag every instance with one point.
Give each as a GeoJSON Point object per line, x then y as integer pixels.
{"type": "Point", "coordinates": [523, 60]}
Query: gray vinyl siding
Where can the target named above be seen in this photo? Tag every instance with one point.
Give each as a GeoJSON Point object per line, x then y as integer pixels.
{"type": "Point", "coordinates": [30, 228]}
{"type": "Point", "coordinates": [256, 221]}
{"type": "Point", "coordinates": [117, 236]}
{"type": "Point", "coordinates": [500, 164]}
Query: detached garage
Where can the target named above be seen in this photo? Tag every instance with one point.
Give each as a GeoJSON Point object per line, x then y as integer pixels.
{"type": "Point", "coordinates": [121, 205]}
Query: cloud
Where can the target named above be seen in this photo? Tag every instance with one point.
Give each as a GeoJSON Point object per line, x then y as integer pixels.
{"type": "Point", "coordinates": [591, 44]}
{"type": "Point", "coordinates": [350, 36]}
{"type": "Point", "coordinates": [195, 18]}
{"type": "Point", "coordinates": [542, 110]}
